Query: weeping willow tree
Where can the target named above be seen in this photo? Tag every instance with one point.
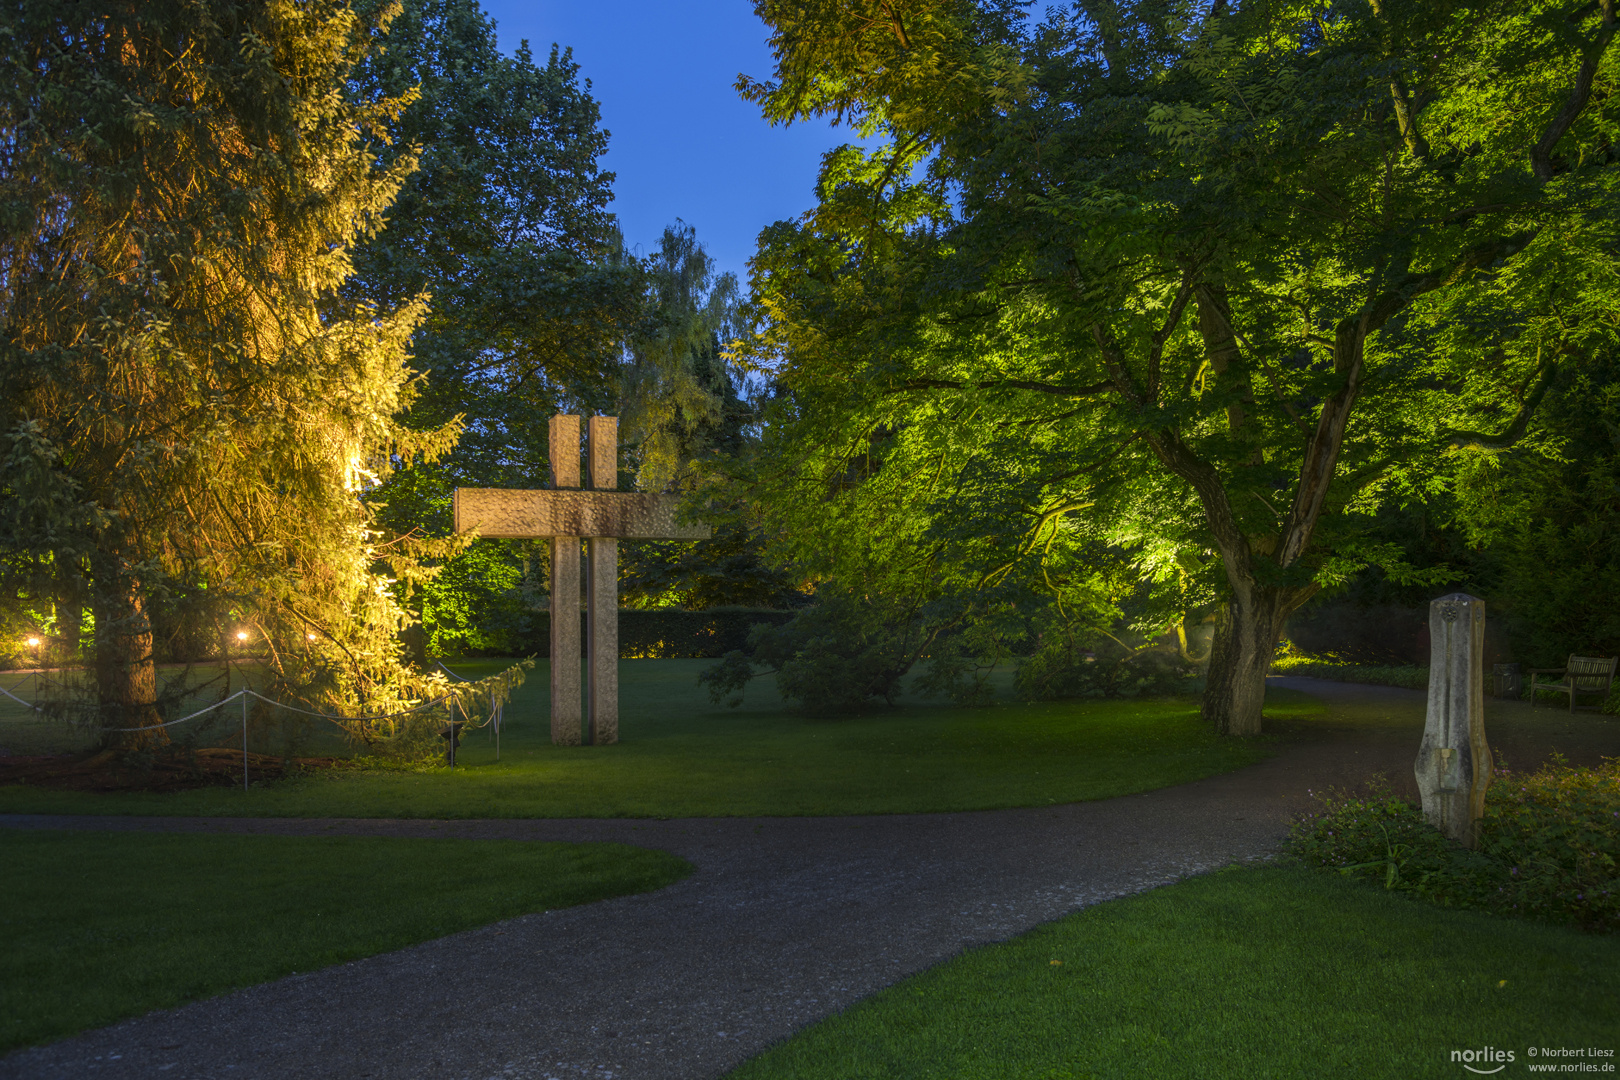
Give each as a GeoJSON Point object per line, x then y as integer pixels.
{"type": "Point", "coordinates": [188, 406]}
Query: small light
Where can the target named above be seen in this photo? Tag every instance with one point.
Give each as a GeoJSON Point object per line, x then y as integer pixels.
{"type": "Point", "coordinates": [310, 636]}
{"type": "Point", "coordinates": [33, 643]}
{"type": "Point", "coordinates": [241, 635]}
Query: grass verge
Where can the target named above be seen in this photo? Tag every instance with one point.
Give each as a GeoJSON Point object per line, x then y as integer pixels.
{"type": "Point", "coordinates": [103, 926]}
{"type": "Point", "coordinates": [1261, 972]}
{"type": "Point", "coordinates": [1407, 677]}
{"type": "Point", "coordinates": [681, 756]}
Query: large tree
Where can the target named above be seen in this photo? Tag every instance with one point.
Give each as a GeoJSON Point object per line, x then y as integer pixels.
{"type": "Point", "coordinates": [506, 226]}
{"type": "Point", "coordinates": [187, 403]}
{"type": "Point", "coordinates": [1198, 280]}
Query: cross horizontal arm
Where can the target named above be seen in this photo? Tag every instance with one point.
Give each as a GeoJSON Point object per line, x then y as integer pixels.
{"type": "Point", "coordinates": [504, 514]}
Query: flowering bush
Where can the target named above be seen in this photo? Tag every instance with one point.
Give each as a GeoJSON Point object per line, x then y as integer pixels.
{"type": "Point", "coordinates": [1548, 846]}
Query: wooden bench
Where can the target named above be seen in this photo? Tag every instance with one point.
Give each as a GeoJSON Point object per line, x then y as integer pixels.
{"type": "Point", "coordinates": [1582, 675]}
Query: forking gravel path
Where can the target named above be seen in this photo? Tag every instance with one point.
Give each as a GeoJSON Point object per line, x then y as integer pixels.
{"type": "Point", "coordinates": [784, 921]}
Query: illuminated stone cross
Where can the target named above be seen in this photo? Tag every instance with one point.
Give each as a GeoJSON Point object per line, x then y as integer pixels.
{"type": "Point", "coordinates": [601, 516]}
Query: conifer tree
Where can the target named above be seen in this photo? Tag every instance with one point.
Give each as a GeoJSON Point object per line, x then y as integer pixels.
{"type": "Point", "coordinates": [188, 404]}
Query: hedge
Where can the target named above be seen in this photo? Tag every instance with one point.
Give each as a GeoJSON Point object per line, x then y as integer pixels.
{"type": "Point", "coordinates": [666, 632]}
{"type": "Point", "coordinates": [1411, 678]}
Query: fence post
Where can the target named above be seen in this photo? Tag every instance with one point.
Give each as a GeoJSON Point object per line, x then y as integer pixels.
{"type": "Point", "coordinates": [244, 739]}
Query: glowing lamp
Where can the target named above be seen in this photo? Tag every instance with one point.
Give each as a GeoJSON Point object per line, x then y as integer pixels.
{"type": "Point", "coordinates": [310, 636]}
{"type": "Point", "coordinates": [241, 635]}
{"type": "Point", "coordinates": [33, 643]}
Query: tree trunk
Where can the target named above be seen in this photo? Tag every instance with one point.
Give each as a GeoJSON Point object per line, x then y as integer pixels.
{"type": "Point", "coordinates": [126, 679]}
{"type": "Point", "coordinates": [1246, 632]}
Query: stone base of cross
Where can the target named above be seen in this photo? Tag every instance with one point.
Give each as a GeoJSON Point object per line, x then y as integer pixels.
{"type": "Point", "coordinates": [601, 516]}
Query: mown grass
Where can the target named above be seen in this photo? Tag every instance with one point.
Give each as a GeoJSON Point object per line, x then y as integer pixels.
{"type": "Point", "coordinates": [102, 926]}
{"type": "Point", "coordinates": [1247, 973]}
{"type": "Point", "coordinates": [682, 756]}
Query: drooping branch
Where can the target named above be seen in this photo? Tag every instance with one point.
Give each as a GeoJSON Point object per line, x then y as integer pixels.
{"type": "Point", "coordinates": [1479, 440]}
{"type": "Point", "coordinates": [1093, 466]}
{"type": "Point", "coordinates": [1565, 117]}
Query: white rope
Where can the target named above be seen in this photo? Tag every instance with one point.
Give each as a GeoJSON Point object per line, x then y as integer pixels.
{"type": "Point", "coordinates": [19, 700]}
{"type": "Point", "coordinates": [261, 697]}
{"type": "Point", "coordinates": [183, 719]}
{"type": "Point", "coordinates": [335, 716]}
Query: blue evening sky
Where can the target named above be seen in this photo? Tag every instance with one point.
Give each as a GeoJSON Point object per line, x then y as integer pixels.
{"type": "Point", "coordinates": [682, 143]}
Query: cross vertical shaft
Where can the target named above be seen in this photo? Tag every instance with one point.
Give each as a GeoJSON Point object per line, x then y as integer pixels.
{"type": "Point", "coordinates": [601, 516]}
{"type": "Point", "coordinates": [602, 583]}
{"type": "Point", "coordinates": [565, 650]}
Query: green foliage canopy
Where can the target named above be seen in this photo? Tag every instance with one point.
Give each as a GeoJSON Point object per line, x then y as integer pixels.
{"type": "Point", "coordinates": [1200, 282]}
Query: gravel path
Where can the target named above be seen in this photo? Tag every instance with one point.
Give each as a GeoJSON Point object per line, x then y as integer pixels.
{"type": "Point", "coordinates": [785, 921]}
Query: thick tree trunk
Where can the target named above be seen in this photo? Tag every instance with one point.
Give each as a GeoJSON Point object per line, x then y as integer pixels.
{"type": "Point", "coordinates": [1246, 633]}
{"type": "Point", "coordinates": [126, 679]}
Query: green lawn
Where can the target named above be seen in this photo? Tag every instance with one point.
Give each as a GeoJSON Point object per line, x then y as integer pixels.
{"type": "Point", "coordinates": [681, 756]}
{"type": "Point", "coordinates": [1270, 972]}
{"type": "Point", "coordinates": [102, 926]}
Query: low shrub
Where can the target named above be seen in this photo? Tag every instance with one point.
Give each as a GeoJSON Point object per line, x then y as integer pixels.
{"type": "Point", "coordinates": [841, 654]}
{"type": "Point", "coordinates": [1548, 846]}
{"type": "Point", "coordinates": [1059, 671]}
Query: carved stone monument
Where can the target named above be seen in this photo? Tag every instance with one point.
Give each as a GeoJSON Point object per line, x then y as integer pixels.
{"type": "Point", "coordinates": [565, 514]}
{"type": "Point", "coordinates": [1454, 764]}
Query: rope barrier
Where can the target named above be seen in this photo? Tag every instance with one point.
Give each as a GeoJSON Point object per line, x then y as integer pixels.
{"type": "Point", "coordinates": [336, 717]}
{"type": "Point", "coordinates": [453, 734]}
{"type": "Point", "coordinates": [496, 711]}
{"type": "Point", "coordinates": [19, 700]}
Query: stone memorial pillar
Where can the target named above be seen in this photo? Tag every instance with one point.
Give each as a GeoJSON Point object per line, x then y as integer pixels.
{"type": "Point", "coordinates": [566, 728]}
{"type": "Point", "coordinates": [1453, 763]}
{"type": "Point", "coordinates": [602, 590]}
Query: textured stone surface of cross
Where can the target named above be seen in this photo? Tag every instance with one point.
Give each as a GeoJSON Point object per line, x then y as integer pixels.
{"type": "Point", "coordinates": [1454, 763]}
{"type": "Point", "coordinates": [565, 514]}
